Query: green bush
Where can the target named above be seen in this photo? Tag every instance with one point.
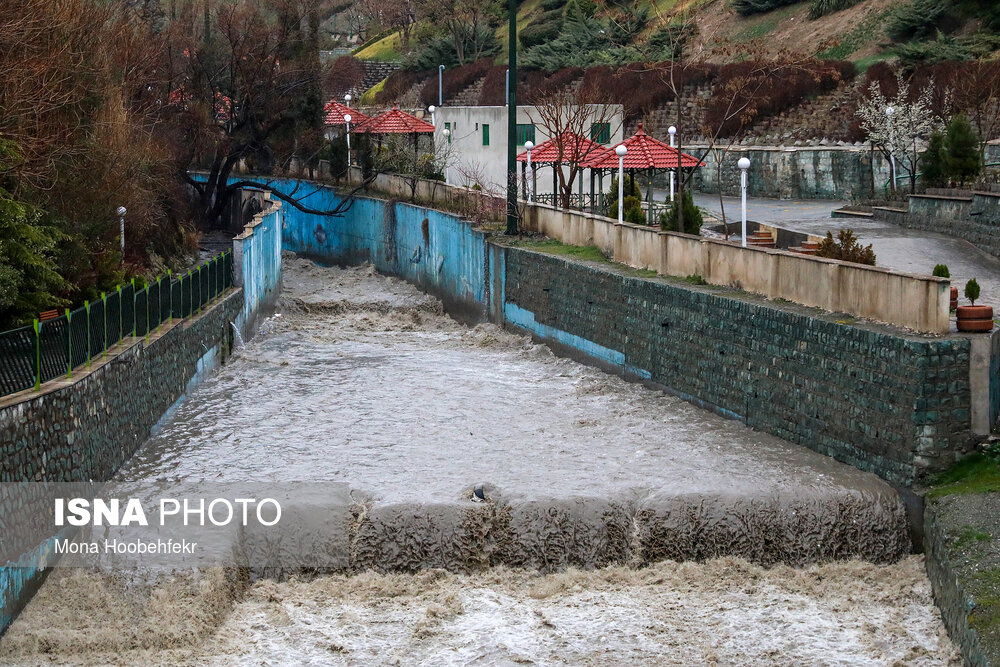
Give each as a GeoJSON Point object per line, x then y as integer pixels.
{"type": "Point", "coordinates": [846, 247]}
{"type": "Point", "coordinates": [972, 291]}
{"type": "Point", "coordinates": [820, 8]}
{"type": "Point", "coordinates": [552, 5]}
{"type": "Point", "coordinates": [918, 19]}
{"type": "Point", "coordinates": [692, 215]}
{"type": "Point", "coordinates": [633, 210]}
{"type": "Point", "coordinates": [748, 7]}
{"type": "Point", "coordinates": [539, 32]}
{"type": "Point", "coordinates": [941, 271]}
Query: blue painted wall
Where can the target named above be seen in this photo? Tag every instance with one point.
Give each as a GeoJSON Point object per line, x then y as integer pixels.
{"type": "Point", "coordinates": [436, 251]}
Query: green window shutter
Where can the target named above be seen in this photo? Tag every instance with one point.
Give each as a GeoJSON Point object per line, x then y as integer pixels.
{"type": "Point", "coordinates": [525, 132]}
{"type": "Point", "coordinates": [601, 133]}
{"type": "Point", "coordinates": [447, 126]}
{"type": "Point", "coordinates": [486, 134]}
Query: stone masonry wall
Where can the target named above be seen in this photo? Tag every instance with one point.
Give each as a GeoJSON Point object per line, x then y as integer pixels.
{"type": "Point", "coordinates": [87, 429]}
{"type": "Point", "coordinates": [976, 220]}
{"type": "Point", "coordinates": [884, 402]}
{"type": "Point", "coordinates": [795, 173]}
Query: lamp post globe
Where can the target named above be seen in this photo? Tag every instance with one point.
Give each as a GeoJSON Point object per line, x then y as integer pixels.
{"type": "Point", "coordinates": [347, 99]}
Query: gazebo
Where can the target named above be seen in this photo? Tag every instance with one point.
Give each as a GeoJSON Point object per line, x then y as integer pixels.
{"type": "Point", "coordinates": [646, 154]}
{"type": "Point", "coordinates": [334, 112]}
{"type": "Point", "coordinates": [575, 150]}
{"type": "Point", "coordinates": [396, 121]}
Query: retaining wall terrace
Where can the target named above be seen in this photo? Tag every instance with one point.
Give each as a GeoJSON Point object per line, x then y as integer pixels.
{"type": "Point", "coordinates": [975, 218]}
{"type": "Point", "coordinates": [85, 428]}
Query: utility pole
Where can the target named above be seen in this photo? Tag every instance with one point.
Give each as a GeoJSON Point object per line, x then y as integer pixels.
{"type": "Point", "coordinates": [512, 118]}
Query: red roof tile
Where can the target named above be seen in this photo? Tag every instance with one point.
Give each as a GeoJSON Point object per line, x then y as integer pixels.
{"type": "Point", "coordinates": [333, 114]}
{"type": "Point", "coordinates": [396, 122]}
{"type": "Point", "coordinates": [645, 152]}
{"type": "Point", "coordinates": [574, 149]}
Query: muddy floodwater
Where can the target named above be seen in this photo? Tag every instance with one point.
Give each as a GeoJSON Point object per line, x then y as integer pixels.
{"type": "Point", "coordinates": [364, 381]}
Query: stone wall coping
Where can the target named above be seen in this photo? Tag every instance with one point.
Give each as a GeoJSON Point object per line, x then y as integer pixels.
{"type": "Point", "coordinates": [891, 208]}
{"type": "Point", "coordinates": [258, 218]}
{"type": "Point", "coordinates": [946, 197]}
{"type": "Point", "coordinates": [982, 193]}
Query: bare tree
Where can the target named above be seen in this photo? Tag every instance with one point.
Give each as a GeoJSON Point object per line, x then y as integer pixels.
{"type": "Point", "coordinates": [573, 119]}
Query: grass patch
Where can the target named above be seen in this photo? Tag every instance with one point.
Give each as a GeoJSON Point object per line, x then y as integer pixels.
{"type": "Point", "coordinates": [985, 589]}
{"type": "Point", "coordinates": [970, 535]}
{"type": "Point", "coordinates": [767, 23]}
{"type": "Point", "coordinates": [385, 49]}
{"type": "Point", "coordinates": [695, 279]}
{"type": "Point", "coordinates": [591, 253]}
{"type": "Point", "coordinates": [973, 474]}
{"type": "Point", "coordinates": [869, 30]}
{"type": "Point", "coordinates": [368, 97]}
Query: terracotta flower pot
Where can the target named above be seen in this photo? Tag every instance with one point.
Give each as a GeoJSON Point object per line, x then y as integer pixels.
{"type": "Point", "coordinates": [975, 318]}
{"type": "Point", "coordinates": [954, 298]}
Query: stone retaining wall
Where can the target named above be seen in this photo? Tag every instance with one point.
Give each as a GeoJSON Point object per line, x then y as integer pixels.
{"type": "Point", "coordinates": [882, 401]}
{"type": "Point", "coordinates": [975, 219]}
{"type": "Point", "coordinates": [795, 173]}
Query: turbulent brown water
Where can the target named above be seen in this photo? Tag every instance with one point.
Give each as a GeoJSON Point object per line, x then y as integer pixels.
{"type": "Point", "coordinates": [362, 380]}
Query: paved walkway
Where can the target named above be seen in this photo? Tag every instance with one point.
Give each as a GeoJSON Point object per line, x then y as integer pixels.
{"type": "Point", "coordinates": [897, 248]}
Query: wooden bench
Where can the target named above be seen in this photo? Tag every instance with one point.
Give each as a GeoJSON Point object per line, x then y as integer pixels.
{"type": "Point", "coordinates": [48, 315]}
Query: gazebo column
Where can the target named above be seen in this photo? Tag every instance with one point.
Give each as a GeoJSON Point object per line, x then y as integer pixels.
{"type": "Point", "coordinates": [534, 181]}
{"type": "Point", "coordinates": [592, 202]}
{"type": "Point", "coordinates": [555, 185]}
{"type": "Point", "coordinates": [580, 189]}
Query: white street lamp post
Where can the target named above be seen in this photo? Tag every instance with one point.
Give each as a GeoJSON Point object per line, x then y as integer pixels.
{"type": "Point", "coordinates": [121, 221]}
{"type": "Point", "coordinates": [528, 145]}
{"type": "Point", "coordinates": [889, 111]}
{"type": "Point", "coordinates": [620, 152]}
{"type": "Point", "coordinates": [347, 99]}
{"type": "Point", "coordinates": [347, 121]}
{"type": "Point", "coordinates": [672, 131]}
{"type": "Point", "coordinates": [432, 109]}
{"type": "Point", "coordinates": [744, 164]}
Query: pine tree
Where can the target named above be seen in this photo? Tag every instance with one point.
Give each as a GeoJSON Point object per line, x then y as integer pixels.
{"type": "Point", "coordinates": [932, 162]}
{"type": "Point", "coordinates": [692, 215]}
{"type": "Point", "coordinates": [962, 160]}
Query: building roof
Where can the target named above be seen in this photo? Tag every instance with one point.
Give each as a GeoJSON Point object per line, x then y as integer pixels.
{"type": "Point", "coordinates": [645, 152]}
{"type": "Point", "coordinates": [574, 149]}
{"type": "Point", "coordinates": [395, 121]}
{"type": "Point", "coordinates": [333, 114]}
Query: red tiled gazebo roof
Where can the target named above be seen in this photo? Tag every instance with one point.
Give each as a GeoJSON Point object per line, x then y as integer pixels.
{"type": "Point", "coordinates": [575, 149]}
{"type": "Point", "coordinates": [333, 114]}
{"type": "Point", "coordinates": [395, 121]}
{"type": "Point", "coordinates": [645, 152]}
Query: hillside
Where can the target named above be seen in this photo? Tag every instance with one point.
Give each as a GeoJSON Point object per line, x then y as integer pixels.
{"type": "Point", "coordinates": [619, 31]}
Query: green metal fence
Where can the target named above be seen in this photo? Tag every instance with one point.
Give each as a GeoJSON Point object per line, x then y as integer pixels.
{"type": "Point", "coordinates": [55, 347]}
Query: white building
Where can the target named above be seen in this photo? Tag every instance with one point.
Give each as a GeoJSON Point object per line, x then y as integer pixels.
{"type": "Point", "coordinates": [475, 148]}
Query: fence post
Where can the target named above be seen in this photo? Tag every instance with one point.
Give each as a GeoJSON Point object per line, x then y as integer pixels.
{"type": "Point", "coordinates": [86, 306]}
{"type": "Point", "coordinates": [121, 317]}
{"type": "Point", "coordinates": [104, 302]}
{"type": "Point", "coordinates": [133, 308]}
{"type": "Point", "coordinates": [170, 297]}
{"type": "Point", "coordinates": [191, 291]}
{"type": "Point", "coordinates": [38, 356]}
{"type": "Point", "coordinates": [69, 344]}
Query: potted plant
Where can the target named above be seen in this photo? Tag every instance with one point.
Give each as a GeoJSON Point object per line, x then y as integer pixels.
{"type": "Point", "coordinates": [974, 318]}
{"type": "Point", "coordinates": [941, 271]}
